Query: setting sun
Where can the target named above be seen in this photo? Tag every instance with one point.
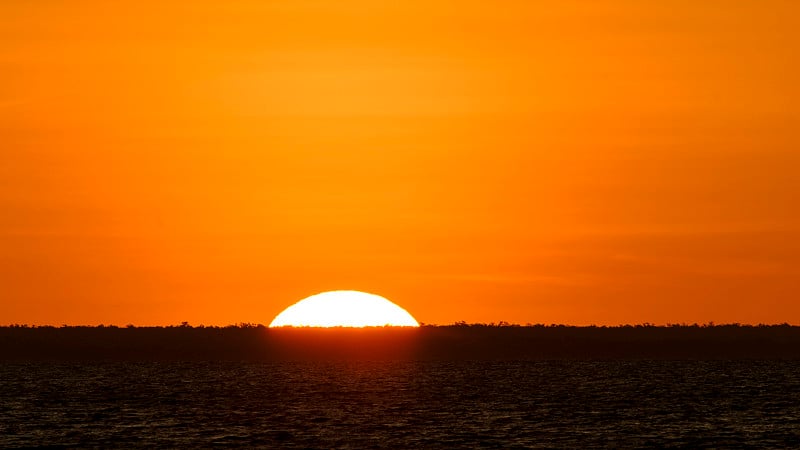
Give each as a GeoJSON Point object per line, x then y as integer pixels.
{"type": "Point", "coordinates": [344, 309]}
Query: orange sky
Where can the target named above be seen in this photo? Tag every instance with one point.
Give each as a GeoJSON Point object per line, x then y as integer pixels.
{"type": "Point", "coordinates": [558, 161]}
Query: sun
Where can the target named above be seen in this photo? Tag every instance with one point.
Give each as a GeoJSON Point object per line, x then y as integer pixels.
{"type": "Point", "coordinates": [344, 309]}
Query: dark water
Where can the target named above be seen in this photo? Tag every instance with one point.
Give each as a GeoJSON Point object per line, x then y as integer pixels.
{"type": "Point", "coordinates": [402, 404]}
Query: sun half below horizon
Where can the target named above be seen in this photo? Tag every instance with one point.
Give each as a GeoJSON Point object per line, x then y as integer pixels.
{"type": "Point", "coordinates": [344, 308]}
{"type": "Point", "coordinates": [568, 162]}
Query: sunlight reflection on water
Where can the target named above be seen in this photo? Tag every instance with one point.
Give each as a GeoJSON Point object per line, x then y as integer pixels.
{"type": "Point", "coordinates": [402, 404]}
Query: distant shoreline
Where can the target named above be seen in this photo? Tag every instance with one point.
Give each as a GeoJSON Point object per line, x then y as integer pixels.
{"type": "Point", "coordinates": [249, 342]}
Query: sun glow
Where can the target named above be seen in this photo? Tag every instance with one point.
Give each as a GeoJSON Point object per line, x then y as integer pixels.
{"type": "Point", "coordinates": [344, 309]}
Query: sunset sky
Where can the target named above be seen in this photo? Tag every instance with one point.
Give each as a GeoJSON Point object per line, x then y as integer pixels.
{"type": "Point", "coordinates": [577, 162]}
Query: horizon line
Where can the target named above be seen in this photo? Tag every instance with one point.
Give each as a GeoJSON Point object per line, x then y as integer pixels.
{"type": "Point", "coordinates": [501, 324]}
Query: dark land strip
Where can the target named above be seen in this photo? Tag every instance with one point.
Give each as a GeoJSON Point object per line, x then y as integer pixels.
{"type": "Point", "coordinates": [248, 342]}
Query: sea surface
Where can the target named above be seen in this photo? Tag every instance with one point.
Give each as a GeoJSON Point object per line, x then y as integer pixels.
{"type": "Point", "coordinates": [402, 404]}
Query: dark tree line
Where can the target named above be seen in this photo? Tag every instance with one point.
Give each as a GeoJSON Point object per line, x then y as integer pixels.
{"type": "Point", "coordinates": [255, 342]}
